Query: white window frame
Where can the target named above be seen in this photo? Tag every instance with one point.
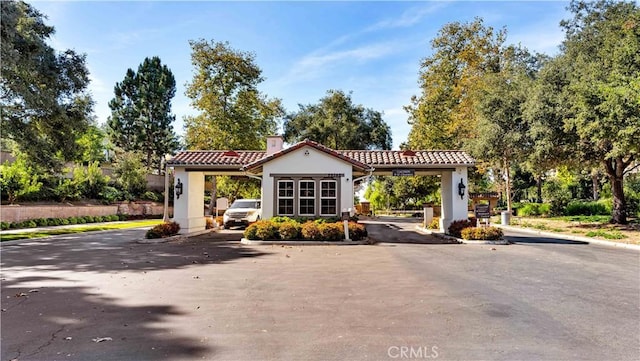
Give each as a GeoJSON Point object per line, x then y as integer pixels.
{"type": "Point", "coordinates": [292, 197]}
{"type": "Point", "coordinates": [306, 197]}
{"type": "Point", "coordinates": [334, 197]}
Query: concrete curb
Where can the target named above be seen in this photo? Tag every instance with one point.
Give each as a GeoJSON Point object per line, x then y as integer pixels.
{"type": "Point", "coordinates": [24, 240]}
{"type": "Point", "coordinates": [178, 237]}
{"type": "Point", "coordinates": [571, 238]}
{"type": "Point", "coordinates": [302, 243]}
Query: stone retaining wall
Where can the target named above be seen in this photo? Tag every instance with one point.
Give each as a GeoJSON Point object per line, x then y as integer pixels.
{"type": "Point", "coordinates": [19, 213]}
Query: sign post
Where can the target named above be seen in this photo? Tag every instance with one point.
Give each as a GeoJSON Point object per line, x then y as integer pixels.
{"type": "Point", "coordinates": [483, 211]}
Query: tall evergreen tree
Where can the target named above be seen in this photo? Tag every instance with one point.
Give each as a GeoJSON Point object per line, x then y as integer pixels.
{"type": "Point", "coordinates": [338, 123]}
{"type": "Point", "coordinates": [141, 118]}
{"type": "Point", "coordinates": [45, 105]}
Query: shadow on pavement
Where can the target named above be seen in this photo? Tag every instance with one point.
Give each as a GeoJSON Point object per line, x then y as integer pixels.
{"type": "Point", "coordinates": [543, 240]}
{"type": "Point", "coordinates": [36, 325]}
{"type": "Point", "coordinates": [103, 253]}
{"type": "Point", "coordinates": [399, 230]}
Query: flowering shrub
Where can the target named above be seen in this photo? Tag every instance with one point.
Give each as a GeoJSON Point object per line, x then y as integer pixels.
{"type": "Point", "coordinates": [163, 230]}
{"type": "Point", "coordinates": [311, 230]}
{"type": "Point", "coordinates": [331, 231]}
{"type": "Point", "coordinates": [289, 230]}
{"type": "Point", "coordinates": [457, 226]}
{"type": "Point", "coordinates": [210, 223]}
{"type": "Point", "coordinates": [482, 233]}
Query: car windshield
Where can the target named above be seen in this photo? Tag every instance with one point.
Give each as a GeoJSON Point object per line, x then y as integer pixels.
{"type": "Point", "coordinates": [244, 204]}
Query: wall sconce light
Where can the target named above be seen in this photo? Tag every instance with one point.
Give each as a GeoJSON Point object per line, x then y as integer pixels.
{"type": "Point", "coordinates": [461, 188]}
{"type": "Point", "coordinates": [178, 189]}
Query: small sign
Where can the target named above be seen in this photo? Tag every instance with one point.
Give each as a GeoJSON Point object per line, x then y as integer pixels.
{"type": "Point", "coordinates": [222, 204]}
{"type": "Point", "coordinates": [403, 172]}
{"type": "Point", "coordinates": [482, 211]}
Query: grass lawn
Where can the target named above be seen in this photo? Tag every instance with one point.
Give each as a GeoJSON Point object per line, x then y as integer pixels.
{"type": "Point", "coordinates": [79, 229]}
{"type": "Point", "coordinates": [588, 226]}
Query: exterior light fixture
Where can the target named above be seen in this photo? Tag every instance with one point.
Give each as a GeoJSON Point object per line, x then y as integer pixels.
{"type": "Point", "coordinates": [178, 189]}
{"type": "Point", "coordinates": [461, 188]}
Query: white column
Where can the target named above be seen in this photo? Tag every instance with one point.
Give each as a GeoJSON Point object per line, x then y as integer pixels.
{"type": "Point", "coordinates": [188, 209]}
{"type": "Point", "coordinates": [454, 207]}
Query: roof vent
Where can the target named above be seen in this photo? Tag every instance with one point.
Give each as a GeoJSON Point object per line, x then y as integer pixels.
{"type": "Point", "coordinates": [230, 153]}
{"type": "Point", "coordinates": [408, 153]}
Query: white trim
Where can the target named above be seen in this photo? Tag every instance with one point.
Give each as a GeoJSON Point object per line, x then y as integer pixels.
{"type": "Point", "coordinates": [334, 197]}
{"type": "Point", "coordinates": [292, 197]}
{"type": "Point", "coordinates": [302, 197]}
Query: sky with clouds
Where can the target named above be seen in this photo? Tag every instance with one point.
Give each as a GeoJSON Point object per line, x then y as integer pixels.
{"type": "Point", "coordinates": [372, 49]}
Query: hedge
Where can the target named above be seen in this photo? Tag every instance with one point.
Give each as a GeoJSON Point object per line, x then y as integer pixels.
{"type": "Point", "coordinates": [482, 233]}
{"type": "Point", "coordinates": [49, 222]}
{"type": "Point", "coordinates": [163, 230]}
{"type": "Point", "coordinates": [283, 228]}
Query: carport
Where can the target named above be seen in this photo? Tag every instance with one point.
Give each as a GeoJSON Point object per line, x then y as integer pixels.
{"type": "Point", "coordinates": [325, 170]}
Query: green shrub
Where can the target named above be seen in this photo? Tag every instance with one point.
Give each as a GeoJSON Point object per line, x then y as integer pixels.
{"type": "Point", "coordinates": [73, 220]}
{"type": "Point", "coordinates": [289, 229]}
{"type": "Point", "coordinates": [41, 222]}
{"type": "Point", "coordinates": [266, 230]}
{"type": "Point", "coordinates": [580, 208]}
{"type": "Point", "coordinates": [534, 209]}
{"type": "Point", "coordinates": [163, 230]}
{"type": "Point", "coordinates": [4, 225]}
{"type": "Point", "coordinates": [482, 233]}
{"type": "Point", "coordinates": [331, 231]}
{"type": "Point", "coordinates": [282, 219]}
{"type": "Point", "coordinates": [28, 224]}
{"type": "Point", "coordinates": [52, 222]}
{"type": "Point", "coordinates": [457, 226]}
{"type": "Point", "coordinates": [123, 217]}
{"type": "Point", "coordinates": [64, 221]}
{"type": "Point", "coordinates": [113, 218]}
{"type": "Point", "coordinates": [250, 231]}
{"type": "Point", "coordinates": [150, 196]}
{"type": "Point", "coordinates": [89, 219]}
{"type": "Point", "coordinates": [311, 231]}
{"type": "Point", "coordinates": [110, 194]}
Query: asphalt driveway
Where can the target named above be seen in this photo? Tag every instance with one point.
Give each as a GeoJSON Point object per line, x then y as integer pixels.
{"type": "Point", "coordinates": [212, 298]}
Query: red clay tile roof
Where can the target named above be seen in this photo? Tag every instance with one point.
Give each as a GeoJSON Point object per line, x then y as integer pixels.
{"type": "Point", "coordinates": [363, 159]}
{"type": "Point", "coordinates": [216, 157]}
{"type": "Point", "coordinates": [312, 144]}
{"type": "Point", "coordinates": [376, 158]}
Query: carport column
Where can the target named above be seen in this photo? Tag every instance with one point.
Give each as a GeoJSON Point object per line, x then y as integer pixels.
{"type": "Point", "coordinates": [454, 207]}
{"type": "Point", "coordinates": [188, 209]}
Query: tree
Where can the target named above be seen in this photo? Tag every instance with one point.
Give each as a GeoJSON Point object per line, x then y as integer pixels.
{"type": "Point", "coordinates": [130, 174]}
{"type": "Point", "coordinates": [601, 46]}
{"type": "Point", "coordinates": [224, 89]}
{"type": "Point", "coordinates": [18, 179]}
{"type": "Point", "coordinates": [444, 115]}
{"type": "Point", "coordinates": [45, 105]}
{"type": "Point", "coordinates": [92, 145]}
{"type": "Point", "coordinates": [338, 123]}
{"type": "Point", "coordinates": [502, 130]}
{"type": "Point", "coordinates": [141, 118]}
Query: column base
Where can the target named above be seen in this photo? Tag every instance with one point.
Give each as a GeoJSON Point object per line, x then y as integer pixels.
{"type": "Point", "coordinates": [191, 225]}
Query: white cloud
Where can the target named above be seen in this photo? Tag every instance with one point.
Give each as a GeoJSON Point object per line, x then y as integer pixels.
{"type": "Point", "coordinates": [408, 18]}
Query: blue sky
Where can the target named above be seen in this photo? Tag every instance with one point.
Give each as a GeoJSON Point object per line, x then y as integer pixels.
{"type": "Point", "coordinates": [303, 48]}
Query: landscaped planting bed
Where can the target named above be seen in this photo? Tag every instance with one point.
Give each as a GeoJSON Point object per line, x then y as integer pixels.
{"type": "Point", "coordinates": [284, 228]}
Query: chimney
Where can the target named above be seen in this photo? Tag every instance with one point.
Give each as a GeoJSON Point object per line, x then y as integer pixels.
{"type": "Point", "coordinates": [275, 143]}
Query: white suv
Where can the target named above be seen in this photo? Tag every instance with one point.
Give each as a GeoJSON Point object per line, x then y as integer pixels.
{"type": "Point", "coordinates": [242, 213]}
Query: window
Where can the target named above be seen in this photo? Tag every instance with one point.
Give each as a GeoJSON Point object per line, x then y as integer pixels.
{"type": "Point", "coordinates": [328, 198]}
{"type": "Point", "coordinates": [307, 198]}
{"type": "Point", "coordinates": [285, 198]}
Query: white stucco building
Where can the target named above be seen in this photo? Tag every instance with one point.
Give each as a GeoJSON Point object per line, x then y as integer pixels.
{"type": "Point", "coordinates": [309, 179]}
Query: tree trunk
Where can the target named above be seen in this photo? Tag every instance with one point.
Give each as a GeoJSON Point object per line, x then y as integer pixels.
{"type": "Point", "coordinates": [596, 185]}
{"type": "Point", "coordinates": [507, 184]}
{"type": "Point", "coordinates": [539, 188]}
{"type": "Point", "coordinates": [615, 172]}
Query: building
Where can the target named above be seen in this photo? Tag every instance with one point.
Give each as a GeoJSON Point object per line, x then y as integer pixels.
{"type": "Point", "coordinates": [309, 179]}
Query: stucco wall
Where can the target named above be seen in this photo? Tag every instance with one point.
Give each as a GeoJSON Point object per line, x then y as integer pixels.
{"type": "Point", "coordinates": [19, 213]}
{"type": "Point", "coordinates": [313, 163]}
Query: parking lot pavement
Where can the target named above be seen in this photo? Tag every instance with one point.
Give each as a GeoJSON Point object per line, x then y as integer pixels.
{"type": "Point", "coordinates": [211, 298]}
